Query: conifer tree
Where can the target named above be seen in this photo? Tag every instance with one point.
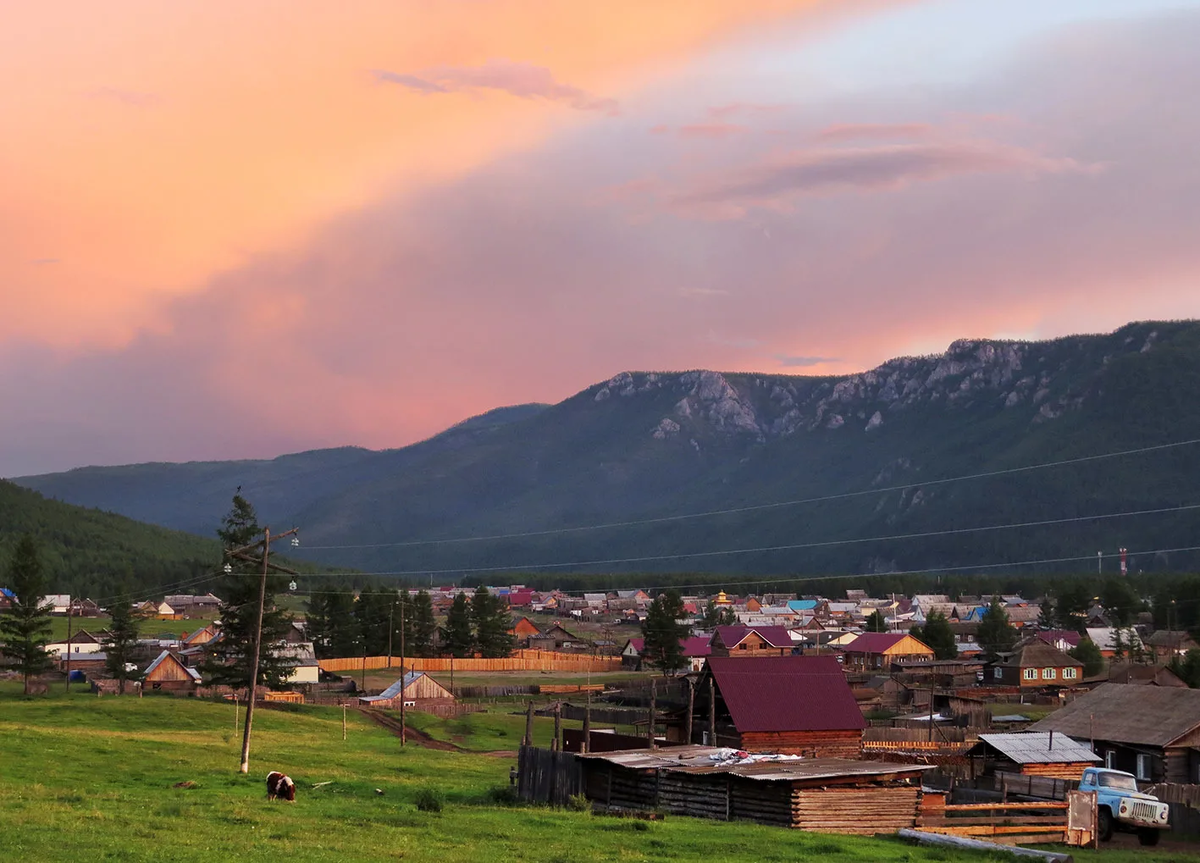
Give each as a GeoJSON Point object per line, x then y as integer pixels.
{"type": "Point", "coordinates": [662, 633]}
{"type": "Point", "coordinates": [938, 635]}
{"type": "Point", "coordinates": [228, 658]}
{"type": "Point", "coordinates": [25, 625]}
{"type": "Point", "coordinates": [1089, 654]}
{"type": "Point", "coordinates": [492, 622]}
{"type": "Point", "coordinates": [120, 642]}
{"type": "Point", "coordinates": [718, 615]}
{"type": "Point", "coordinates": [424, 626]}
{"type": "Point", "coordinates": [996, 634]}
{"type": "Point", "coordinates": [457, 639]}
{"type": "Point", "coordinates": [876, 622]}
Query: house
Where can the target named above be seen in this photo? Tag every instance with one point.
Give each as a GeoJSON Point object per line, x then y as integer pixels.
{"type": "Point", "coordinates": [163, 611]}
{"type": "Point", "coordinates": [521, 598]}
{"type": "Point", "coordinates": [1061, 639]}
{"type": "Point", "coordinates": [1110, 638]}
{"type": "Point", "coordinates": [523, 628]}
{"type": "Point", "coordinates": [201, 636]}
{"type": "Point", "coordinates": [833, 795]}
{"type": "Point", "coordinates": [799, 705]}
{"type": "Point", "coordinates": [1168, 643]}
{"type": "Point", "coordinates": [556, 637]}
{"type": "Point", "coordinates": [303, 660]}
{"type": "Point", "coordinates": [58, 602]}
{"type": "Point", "coordinates": [1032, 753]}
{"type": "Point", "coordinates": [297, 632]}
{"type": "Point", "coordinates": [1144, 675]}
{"type": "Point", "coordinates": [416, 689]}
{"type": "Point", "coordinates": [874, 651]}
{"type": "Point", "coordinates": [92, 662]}
{"type": "Point", "coordinates": [1152, 732]}
{"type": "Point", "coordinates": [169, 674]}
{"type": "Point", "coordinates": [80, 642]}
{"type": "Point", "coordinates": [696, 649]}
{"type": "Point", "coordinates": [745, 641]}
{"type": "Point", "coordinates": [84, 608]}
{"type": "Point", "coordinates": [6, 598]}
{"type": "Point", "coordinates": [1034, 664]}
{"type": "Point", "coordinates": [189, 604]}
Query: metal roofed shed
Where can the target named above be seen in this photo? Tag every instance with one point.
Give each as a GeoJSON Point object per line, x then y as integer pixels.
{"type": "Point", "coordinates": [1034, 753]}
{"type": "Point", "coordinates": [832, 795]}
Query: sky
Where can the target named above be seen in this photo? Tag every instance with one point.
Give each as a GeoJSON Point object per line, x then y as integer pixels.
{"type": "Point", "coordinates": [241, 230]}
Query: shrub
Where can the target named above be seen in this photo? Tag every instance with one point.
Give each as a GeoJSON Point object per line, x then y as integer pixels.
{"type": "Point", "coordinates": [579, 803]}
{"type": "Point", "coordinates": [430, 799]}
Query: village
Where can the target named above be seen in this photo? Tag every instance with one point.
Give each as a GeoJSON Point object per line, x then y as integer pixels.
{"type": "Point", "coordinates": [963, 717]}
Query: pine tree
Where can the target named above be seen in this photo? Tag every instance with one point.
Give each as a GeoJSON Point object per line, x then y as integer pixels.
{"type": "Point", "coordinates": [120, 642]}
{"type": "Point", "coordinates": [718, 615]}
{"type": "Point", "coordinates": [1048, 614]}
{"type": "Point", "coordinates": [492, 623]}
{"type": "Point", "coordinates": [25, 625]}
{"type": "Point", "coordinates": [316, 622]}
{"type": "Point", "coordinates": [341, 624]}
{"type": "Point", "coordinates": [938, 635]}
{"type": "Point", "coordinates": [996, 634]}
{"type": "Point", "coordinates": [662, 633]}
{"type": "Point", "coordinates": [423, 627]}
{"type": "Point", "coordinates": [228, 658]}
{"type": "Point", "coordinates": [876, 622]}
{"type": "Point", "coordinates": [457, 639]}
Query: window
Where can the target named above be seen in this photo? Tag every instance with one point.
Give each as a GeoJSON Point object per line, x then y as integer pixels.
{"type": "Point", "coordinates": [1143, 767]}
{"type": "Point", "coordinates": [1030, 674]}
{"type": "Point", "coordinates": [998, 673]}
{"type": "Point", "coordinates": [1070, 673]}
{"type": "Point", "coordinates": [1110, 759]}
{"type": "Point", "coordinates": [1048, 674]}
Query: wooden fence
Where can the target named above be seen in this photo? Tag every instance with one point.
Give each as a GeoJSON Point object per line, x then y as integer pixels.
{"type": "Point", "coordinates": [521, 660]}
{"type": "Point", "coordinates": [547, 776]}
{"type": "Point", "coordinates": [1072, 821]}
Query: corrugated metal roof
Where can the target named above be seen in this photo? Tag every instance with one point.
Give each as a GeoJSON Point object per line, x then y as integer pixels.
{"type": "Point", "coordinates": [1040, 747]}
{"type": "Point", "coordinates": [786, 693]}
{"type": "Point", "coordinates": [700, 760]}
{"type": "Point", "coordinates": [878, 642]}
{"type": "Point", "coordinates": [776, 636]}
{"type": "Point", "coordinates": [1035, 653]}
{"type": "Point", "coordinates": [396, 688]}
{"type": "Point", "coordinates": [1146, 715]}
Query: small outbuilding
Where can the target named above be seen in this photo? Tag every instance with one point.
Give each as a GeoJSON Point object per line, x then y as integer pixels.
{"type": "Point", "coordinates": [416, 689]}
{"type": "Point", "coordinates": [169, 674]}
{"type": "Point", "coordinates": [1032, 753]}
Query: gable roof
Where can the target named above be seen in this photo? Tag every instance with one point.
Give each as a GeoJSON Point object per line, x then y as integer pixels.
{"type": "Point", "coordinates": [880, 642]}
{"type": "Point", "coordinates": [399, 686]}
{"type": "Point", "coordinates": [776, 636]}
{"type": "Point", "coordinates": [695, 645]}
{"type": "Point", "coordinates": [786, 693]}
{"type": "Point", "coordinates": [1040, 747]}
{"type": "Point", "coordinates": [1035, 653]}
{"type": "Point", "coordinates": [1069, 636]}
{"type": "Point", "coordinates": [162, 657]}
{"type": "Point", "coordinates": [802, 604]}
{"type": "Point", "coordinates": [1147, 715]}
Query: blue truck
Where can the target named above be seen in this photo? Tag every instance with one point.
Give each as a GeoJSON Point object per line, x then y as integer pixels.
{"type": "Point", "coordinates": [1121, 807]}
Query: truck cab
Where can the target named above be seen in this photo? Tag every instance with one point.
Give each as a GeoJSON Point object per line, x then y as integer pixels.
{"type": "Point", "coordinates": [1120, 806]}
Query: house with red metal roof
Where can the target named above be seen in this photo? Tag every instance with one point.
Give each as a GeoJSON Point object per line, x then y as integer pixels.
{"type": "Point", "coordinates": [746, 641]}
{"type": "Point", "coordinates": [798, 705]}
{"type": "Point", "coordinates": [878, 650]}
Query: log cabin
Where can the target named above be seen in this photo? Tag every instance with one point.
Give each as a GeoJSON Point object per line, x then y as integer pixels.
{"type": "Point", "coordinates": [876, 651]}
{"type": "Point", "coordinates": [798, 705]}
{"type": "Point", "coordinates": [747, 641]}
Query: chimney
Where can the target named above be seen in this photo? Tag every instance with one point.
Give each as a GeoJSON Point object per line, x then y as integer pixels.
{"type": "Point", "coordinates": [1051, 746]}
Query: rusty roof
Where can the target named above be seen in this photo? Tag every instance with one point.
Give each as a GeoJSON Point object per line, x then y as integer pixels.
{"type": "Point", "coordinates": [1145, 715]}
{"type": "Point", "coordinates": [786, 693]}
{"type": "Point", "coordinates": [699, 760]}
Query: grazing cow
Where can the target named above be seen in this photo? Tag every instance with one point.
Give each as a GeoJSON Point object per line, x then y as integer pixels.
{"type": "Point", "coordinates": [280, 787]}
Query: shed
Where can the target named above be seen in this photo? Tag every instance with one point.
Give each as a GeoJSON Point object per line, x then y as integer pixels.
{"type": "Point", "coordinates": [832, 795]}
{"type": "Point", "coordinates": [800, 705]}
{"type": "Point", "coordinates": [524, 628]}
{"type": "Point", "coordinates": [1152, 732]}
{"type": "Point", "coordinates": [169, 674]}
{"type": "Point", "coordinates": [1034, 753]}
{"type": "Point", "coordinates": [415, 689]}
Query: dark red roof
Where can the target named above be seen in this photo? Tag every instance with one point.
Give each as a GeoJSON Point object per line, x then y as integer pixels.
{"type": "Point", "coordinates": [1050, 636]}
{"type": "Point", "coordinates": [520, 597]}
{"type": "Point", "coordinates": [786, 693]}
{"type": "Point", "coordinates": [875, 642]}
{"type": "Point", "coordinates": [776, 636]}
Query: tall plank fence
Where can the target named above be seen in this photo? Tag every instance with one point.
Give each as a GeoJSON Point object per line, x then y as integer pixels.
{"type": "Point", "coordinates": [547, 776]}
{"type": "Point", "coordinates": [521, 660]}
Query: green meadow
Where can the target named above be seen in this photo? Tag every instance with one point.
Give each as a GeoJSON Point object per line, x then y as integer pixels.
{"type": "Point", "coordinates": [86, 778]}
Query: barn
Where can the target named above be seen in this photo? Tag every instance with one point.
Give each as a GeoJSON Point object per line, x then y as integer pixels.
{"type": "Point", "coordinates": [416, 689]}
{"type": "Point", "coordinates": [832, 795]}
{"type": "Point", "coordinates": [800, 705]}
{"type": "Point", "coordinates": [169, 674]}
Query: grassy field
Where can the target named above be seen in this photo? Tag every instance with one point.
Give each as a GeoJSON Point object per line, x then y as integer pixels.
{"type": "Point", "coordinates": [147, 628]}
{"type": "Point", "coordinates": [83, 778]}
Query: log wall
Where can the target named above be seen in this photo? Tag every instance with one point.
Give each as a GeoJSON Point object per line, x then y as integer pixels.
{"type": "Point", "coordinates": [814, 744]}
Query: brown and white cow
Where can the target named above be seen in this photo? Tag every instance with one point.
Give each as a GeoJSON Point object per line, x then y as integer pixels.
{"type": "Point", "coordinates": [280, 787]}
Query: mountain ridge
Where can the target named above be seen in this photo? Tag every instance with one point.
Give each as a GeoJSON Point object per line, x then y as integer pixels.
{"type": "Point", "coordinates": [653, 445]}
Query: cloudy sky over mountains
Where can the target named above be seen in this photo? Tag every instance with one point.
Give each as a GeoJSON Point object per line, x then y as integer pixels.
{"type": "Point", "coordinates": [241, 230]}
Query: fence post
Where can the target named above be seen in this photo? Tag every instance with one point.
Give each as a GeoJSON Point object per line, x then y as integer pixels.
{"type": "Point", "coordinates": [587, 724]}
{"type": "Point", "coordinates": [528, 741]}
{"type": "Point", "coordinates": [556, 745]}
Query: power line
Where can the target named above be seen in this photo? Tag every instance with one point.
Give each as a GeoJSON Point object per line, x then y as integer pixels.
{"type": "Point", "coordinates": [773, 548]}
{"type": "Point", "coordinates": [763, 506]}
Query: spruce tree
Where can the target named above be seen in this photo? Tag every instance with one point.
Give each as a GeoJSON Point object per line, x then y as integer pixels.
{"type": "Point", "coordinates": [25, 625]}
{"type": "Point", "coordinates": [457, 639]}
{"type": "Point", "coordinates": [718, 615]}
{"type": "Point", "coordinates": [1089, 654]}
{"type": "Point", "coordinates": [492, 623]}
{"type": "Point", "coordinates": [938, 635]}
{"type": "Point", "coordinates": [877, 622]}
{"type": "Point", "coordinates": [662, 633]}
{"type": "Point", "coordinates": [228, 658]}
{"type": "Point", "coordinates": [120, 642]}
{"type": "Point", "coordinates": [996, 634]}
{"type": "Point", "coordinates": [423, 627]}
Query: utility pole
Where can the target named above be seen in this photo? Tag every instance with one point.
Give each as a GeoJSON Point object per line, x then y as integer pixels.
{"type": "Point", "coordinates": [390, 640]}
{"type": "Point", "coordinates": [403, 730]}
{"type": "Point", "coordinates": [69, 603]}
{"type": "Point", "coordinates": [243, 553]}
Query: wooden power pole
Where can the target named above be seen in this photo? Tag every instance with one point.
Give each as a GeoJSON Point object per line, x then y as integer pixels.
{"type": "Point", "coordinates": [403, 730]}
{"type": "Point", "coordinates": [243, 553]}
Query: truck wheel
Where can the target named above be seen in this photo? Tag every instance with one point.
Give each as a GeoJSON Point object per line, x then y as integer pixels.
{"type": "Point", "coordinates": [1148, 835]}
{"type": "Point", "coordinates": [1104, 825]}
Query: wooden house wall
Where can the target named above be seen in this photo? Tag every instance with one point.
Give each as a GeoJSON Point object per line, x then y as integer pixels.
{"type": "Point", "coordinates": [168, 671]}
{"type": "Point", "coordinates": [1065, 770]}
{"type": "Point", "coordinates": [426, 687]}
{"type": "Point", "coordinates": [752, 645]}
{"type": "Point", "coordinates": [821, 744]}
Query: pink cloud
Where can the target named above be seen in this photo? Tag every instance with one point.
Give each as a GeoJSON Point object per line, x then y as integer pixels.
{"type": "Point", "coordinates": [722, 112]}
{"type": "Point", "coordinates": [859, 131]}
{"type": "Point", "coordinates": [523, 80]}
{"type": "Point", "coordinates": [710, 130]}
